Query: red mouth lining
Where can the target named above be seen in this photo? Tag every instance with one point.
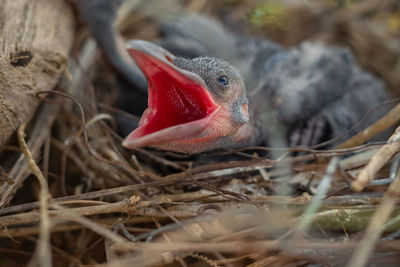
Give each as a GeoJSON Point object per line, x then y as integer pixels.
{"type": "Point", "coordinates": [173, 98]}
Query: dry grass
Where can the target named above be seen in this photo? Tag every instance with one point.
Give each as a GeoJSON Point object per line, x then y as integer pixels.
{"type": "Point", "coordinates": [101, 204]}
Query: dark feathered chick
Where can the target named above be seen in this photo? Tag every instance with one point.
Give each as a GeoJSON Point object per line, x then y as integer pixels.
{"type": "Point", "coordinates": [197, 100]}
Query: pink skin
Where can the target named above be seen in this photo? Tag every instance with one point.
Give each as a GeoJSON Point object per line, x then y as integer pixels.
{"type": "Point", "coordinates": [182, 114]}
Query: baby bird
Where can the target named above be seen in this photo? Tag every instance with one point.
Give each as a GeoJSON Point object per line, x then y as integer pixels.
{"type": "Point", "coordinates": [197, 101]}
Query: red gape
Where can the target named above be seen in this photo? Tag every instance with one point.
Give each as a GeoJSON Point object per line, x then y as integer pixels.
{"type": "Point", "coordinates": [173, 98]}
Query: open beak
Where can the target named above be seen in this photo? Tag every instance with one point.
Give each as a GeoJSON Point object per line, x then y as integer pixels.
{"type": "Point", "coordinates": [180, 107]}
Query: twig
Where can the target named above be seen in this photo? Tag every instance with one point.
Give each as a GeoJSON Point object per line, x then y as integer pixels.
{"type": "Point", "coordinates": [376, 225]}
{"type": "Point", "coordinates": [46, 155]}
{"type": "Point", "coordinates": [41, 130]}
{"type": "Point", "coordinates": [228, 246]}
{"type": "Point", "coordinates": [43, 247]}
{"type": "Point", "coordinates": [84, 133]}
{"type": "Point", "coordinates": [393, 171]}
{"type": "Point", "coordinates": [322, 190]}
{"type": "Point", "coordinates": [68, 226]}
{"type": "Point", "coordinates": [69, 214]}
{"type": "Point", "coordinates": [378, 161]}
{"type": "Point", "coordinates": [69, 144]}
{"type": "Point", "coordinates": [31, 217]}
{"type": "Point", "coordinates": [369, 199]}
{"type": "Point", "coordinates": [381, 125]}
{"type": "Point", "coordinates": [161, 160]}
{"type": "Point", "coordinates": [356, 127]}
{"type": "Point", "coordinates": [239, 246]}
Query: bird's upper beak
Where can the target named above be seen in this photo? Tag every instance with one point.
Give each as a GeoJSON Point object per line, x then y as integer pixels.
{"type": "Point", "coordinates": [180, 107]}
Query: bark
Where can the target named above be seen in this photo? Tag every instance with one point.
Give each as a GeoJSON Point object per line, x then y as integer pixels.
{"type": "Point", "coordinates": [35, 40]}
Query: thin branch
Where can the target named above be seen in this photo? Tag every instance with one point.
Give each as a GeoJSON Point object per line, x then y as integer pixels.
{"type": "Point", "coordinates": [70, 214]}
{"type": "Point", "coordinates": [44, 257]}
{"type": "Point", "coordinates": [376, 225]}
{"type": "Point", "coordinates": [47, 115]}
{"type": "Point", "coordinates": [381, 125]}
{"type": "Point", "coordinates": [30, 217]}
{"type": "Point", "coordinates": [322, 190]}
{"type": "Point", "coordinates": [384, 154]}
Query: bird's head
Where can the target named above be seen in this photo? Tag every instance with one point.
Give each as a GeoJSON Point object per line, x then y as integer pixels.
{"type": "Point", "coordinates": [193, 104]}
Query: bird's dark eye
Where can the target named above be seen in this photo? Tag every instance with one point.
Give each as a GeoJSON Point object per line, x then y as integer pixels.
{"type": "Point", "coordinates": [223, 80]}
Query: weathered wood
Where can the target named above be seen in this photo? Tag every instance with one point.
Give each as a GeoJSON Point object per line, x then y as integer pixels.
{"type": "Point", "coordinates": [35, 40]}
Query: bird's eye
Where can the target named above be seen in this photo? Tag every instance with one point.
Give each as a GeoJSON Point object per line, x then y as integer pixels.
{"type": "Point", "coordinates": [223, 80]}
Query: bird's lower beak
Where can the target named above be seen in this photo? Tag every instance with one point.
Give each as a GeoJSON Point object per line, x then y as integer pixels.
{"type": "Point", "coordinates": [179, 105]}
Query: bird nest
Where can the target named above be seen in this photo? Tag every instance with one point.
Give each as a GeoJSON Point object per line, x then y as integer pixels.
{"type": "Point", "coordinates": [73, 183]}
